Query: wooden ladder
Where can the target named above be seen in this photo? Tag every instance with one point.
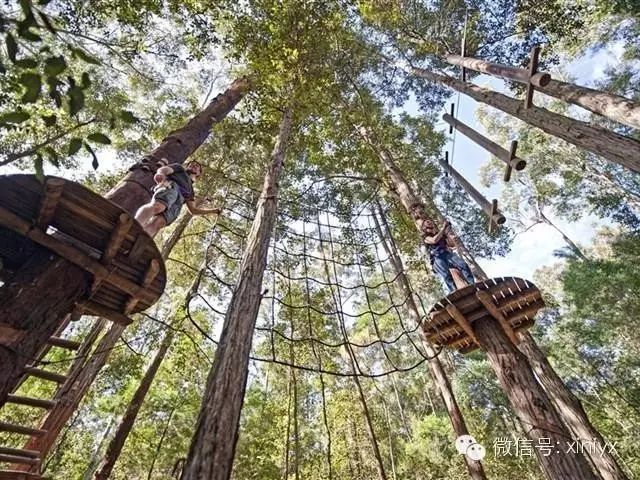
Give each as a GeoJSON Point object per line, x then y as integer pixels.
{"type": "Point", "coordinates": [21, 463]}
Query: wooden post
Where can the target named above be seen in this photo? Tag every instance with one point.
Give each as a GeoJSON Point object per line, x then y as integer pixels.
{"type": "Point", "coordinates": [521, 75]}
{"type": "Point", "coordinates": [533, 67]}
{"type": "Point", "coordinates": [214, 441]}
{"type": "Point", "coordinates": [52, 192]}
{"type": "Point", "coordinates": [66, 284]}
{"type": "Point", "coordinates": [495, 217]}
{"type": "Point", "coordinates": [507, 156]}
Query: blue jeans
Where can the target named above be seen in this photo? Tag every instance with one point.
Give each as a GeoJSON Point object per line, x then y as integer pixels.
{"type": "Point", "coordinates": [443, 261]}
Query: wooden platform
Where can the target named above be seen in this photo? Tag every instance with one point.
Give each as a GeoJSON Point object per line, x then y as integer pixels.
{"type": "Point", "coordinates": [512, 302]}
{"type": "Point", "coordinates": [90, 231]}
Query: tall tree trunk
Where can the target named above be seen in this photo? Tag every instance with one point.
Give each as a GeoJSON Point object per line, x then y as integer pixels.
{"type": "Point", "coordinates": [565, 402]}
{"type": "Point", "coordinates": [83, 371]}
{"type": "Point", "coordinates": [476, 471]}
{"type": "Point", "coordinates": [612, 146]}
{"type": "Point", "coordinates": [214, 442]}
{"type": "Point", "coordinates": [133, 408]}
{"type": "Point", "coordinates": [95, 459]}
{"type": "Point", "coordinates": [518, 381]}
{"type": "Point", "coordinates": [48, 287]}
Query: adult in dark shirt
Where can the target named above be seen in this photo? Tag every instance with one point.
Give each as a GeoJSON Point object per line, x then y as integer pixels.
{"type": "Point", "coordinates": [174, 187]}
{"type": "Point", "coordinates": [442, 258]}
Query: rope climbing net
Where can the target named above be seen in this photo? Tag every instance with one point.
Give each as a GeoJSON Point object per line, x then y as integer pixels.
{"type": "Point", "coordinates": [331, 302]}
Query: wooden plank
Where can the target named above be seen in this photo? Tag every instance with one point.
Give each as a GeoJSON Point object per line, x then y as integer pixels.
{"type": "Point", "coordinates": [53, 188]}
{"type": "Point", "coordinates": [149, 276]}
{"type": "Point", "coordinates": [19, 459]}
{"type": "Point", "coordinates": [487, 301]}
{"type": "Point", "coordinates": [533, 68]}
{"type": "Point", "coordinates": [19, 452]}
{"type": "Point", "coordinates": [45, 374]}
{"type": "Point", "coordinates": [137, 249]}
{"type": "Point", "coordinates": [17, 224]}
{"type": "Point", "coordinates": [9, 334]}
{"type": "Point", "coordinates": [96, 309]}
{"type": "Point", "coordinates": [18, 475]}
{"type": "Point", "coordinates": [525, 296]}
{"type": "Point", "coordinates": [512, 156]}
{"type": "Point", "coordinates": [63, 343]}
{"type": "Point", "coordinates": [31, 402]}
{"type": "Point", "coordinates": [462, 321]}
{"type": "Point", "coordinates": [9, 427]}
{"type": "Point", "coordinates": [125, 221]}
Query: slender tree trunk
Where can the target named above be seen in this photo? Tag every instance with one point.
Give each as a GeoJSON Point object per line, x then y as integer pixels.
{"type": "Point", "coordinates": [83, 371]}
{"type": "Point", "coordinates": [571, 244]}
{"type": "Point", "coordinates": [476, 471]}
{"type": "Point", "coordinates": [527, 397]}
{"type": "Point", "coordinates": [48, 287]}
{"type": "Point", "coordinates": [612, 146]}
{"type": "Point", "coordinates": [160, 442]}
{"type": "Point", "coordinates": [214, 442]}
{"type": "Point", "coordinates": [126, 423]}
{"type": "Point", "coordinates": [114, 449]}
{"type": "Point", "coordinates": [95, 459]}
{"type": "Point", "coordinates": [351, 358]}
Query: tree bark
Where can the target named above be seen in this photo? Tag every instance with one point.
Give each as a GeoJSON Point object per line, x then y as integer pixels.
{"type": "Point", "coordinates": [526, 396]}
{"type": "Point", "coordinates": [476, 471]}
{"type": "Point", "coordinates": [572, 412]}
{"type": "Point", "coordinates": [612, 146]}
{"type": "Point", "coordinates": [49, 287]}
{"type": "Point", "coordinates": [214, 442]}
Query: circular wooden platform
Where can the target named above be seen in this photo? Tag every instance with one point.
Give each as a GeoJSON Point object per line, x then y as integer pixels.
{"type": "Point", "coordinates": [510, 301]}
{"type": "Point", "coordinates": [91, 232]}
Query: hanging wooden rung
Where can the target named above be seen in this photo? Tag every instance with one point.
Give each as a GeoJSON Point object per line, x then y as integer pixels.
{"type": "Point", "coordinates": [18, 475]}
{"type": "Point", "coordinates": [31, 402]}
{"type": "Point", "coordinates": [19, 459]}
{"type": "Point", "coordinates": [63, 343]}
{"type": "Point", "coordinates": [462, 321]}
{"type": "Point", "coordinates": [52, 192]}
{"type": "Point", "coordinates": [98, 310]}
{"type": "Point", "coordinates": [125, 221]}
{"type": "Point", "coordinates": [512, 157]}
{"type": "Point", "coordinates": [491, 307]}
{"type": "Point", "coordinates": [533, 69]}
{"type": "Point", "coordinates": [11, 428]}
{"type": "Point", "coordinates": [45, 374]}
{"type": "Point", "coordinates": [492, 215]}
{"type": "Point", "coordinates": [19, 452]}
{"type": "Point", "coordinates": [507, 156]}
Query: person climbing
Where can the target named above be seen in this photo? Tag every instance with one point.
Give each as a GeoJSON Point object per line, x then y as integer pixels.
{"type": "Point", "coordinates": [442, 258]}
{"type": "Point", "coordinates": [174, 187]}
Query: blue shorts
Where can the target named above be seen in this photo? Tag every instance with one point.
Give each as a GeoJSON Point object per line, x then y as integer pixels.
{"type": "Point", "coordinates": [170, 197]}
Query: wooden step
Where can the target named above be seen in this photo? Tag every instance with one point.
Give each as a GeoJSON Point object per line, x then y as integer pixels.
{"type": "Point", "coordinates": [45, 374]}
{"type": "Point", "coordinates": [9, 427]}
{"type": "Point", "coordinates": [63, 343]}
{"type": "Point", "coordinates": [31, 402]}
{"type": "Point", "coordinates": [20, 452]}
{"type": "Point", "coordinates": [18, 475]}
{"type": "Point", "coordinates": [18, 459]}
